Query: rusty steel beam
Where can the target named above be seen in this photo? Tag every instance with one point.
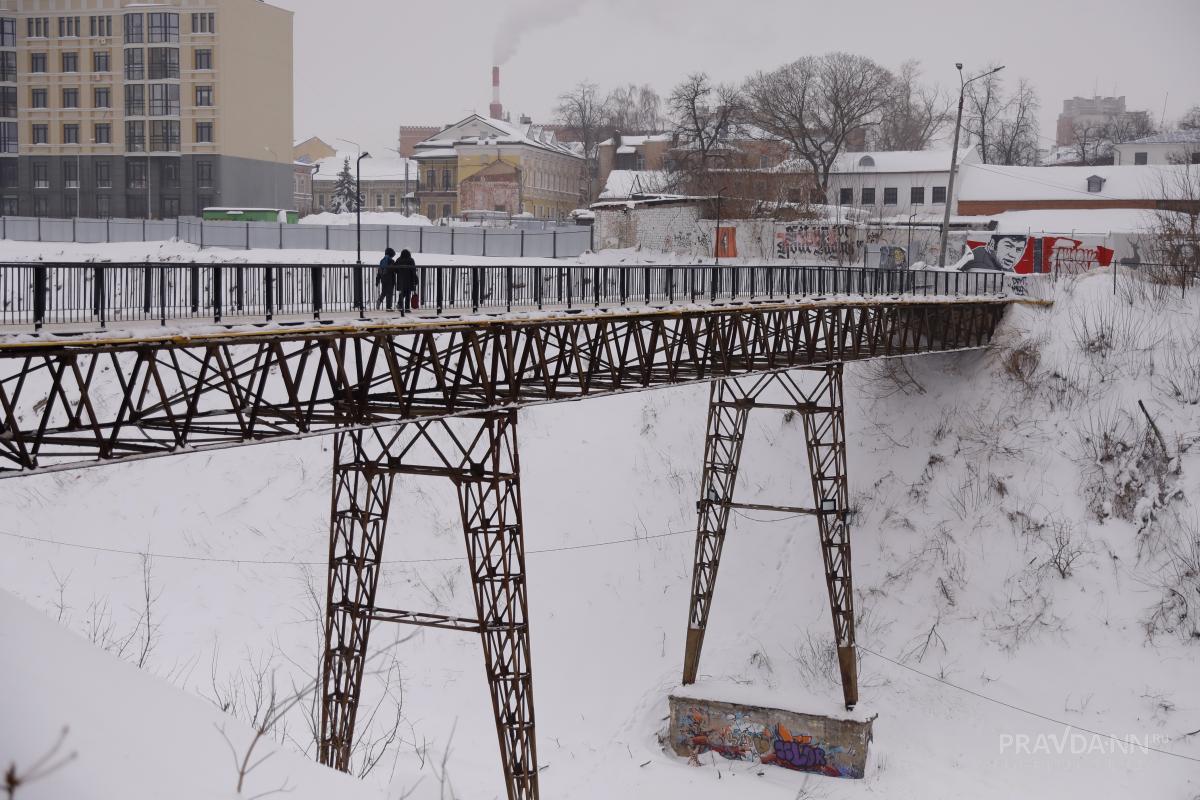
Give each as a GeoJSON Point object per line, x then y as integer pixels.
{"type": "Point", "coordinates": [479, 456]}
{"type": "Point", "coordinates": [820, 405]}
{"type": "Point", "coordinates": [67, 403]}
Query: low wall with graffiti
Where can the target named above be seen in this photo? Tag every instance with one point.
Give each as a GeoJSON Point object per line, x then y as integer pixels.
{"type": "Point", "coordinates": [787, 739]}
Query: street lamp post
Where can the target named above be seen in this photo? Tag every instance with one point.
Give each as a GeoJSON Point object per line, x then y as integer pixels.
{"type": "Point", "coordinates": [954, 157]}
{"type": "Point", "coordinates": [358, 198]}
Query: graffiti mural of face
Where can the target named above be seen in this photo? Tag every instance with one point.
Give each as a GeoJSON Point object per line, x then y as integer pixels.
{"type": "Point", "coordinates": [1009, 250]}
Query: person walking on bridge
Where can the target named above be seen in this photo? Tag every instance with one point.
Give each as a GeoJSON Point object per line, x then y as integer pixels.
{"type": "Point", "coordinates": [406, 280]}
{"type": "Point", "coordinates": [385, 278]}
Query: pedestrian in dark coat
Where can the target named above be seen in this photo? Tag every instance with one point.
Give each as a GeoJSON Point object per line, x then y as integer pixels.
{"type": "Point", "coordinates": [406, 279]}
{"type": "Point", "coordinates": [385, 278]}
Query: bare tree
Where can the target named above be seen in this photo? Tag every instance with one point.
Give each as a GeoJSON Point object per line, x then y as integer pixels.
{"type": "Point", "coordinates": [1006, 126]}
{"type": "Point", "coordinates": [1191, 120]}
{"type": "Point", "coordinates": [634, 109]}
{"type": "Point", "coordinates": [915, 113]}
{"type": "Point", "coordinates": [583, 110]}
{"type": "Point", "coordinates": [1090, 144]}
{"type": "Point", "coordinates": [1130, 126]}
{"type": "Point", "coordinates": [816, 103]}
{"type": "Point", "coordinates": [702, 113]}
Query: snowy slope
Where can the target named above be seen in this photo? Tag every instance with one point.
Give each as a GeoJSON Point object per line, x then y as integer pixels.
{"type": "Point", "coordinates": [128, 734]}
{"type": "Point", "coordinates": [964, 477]}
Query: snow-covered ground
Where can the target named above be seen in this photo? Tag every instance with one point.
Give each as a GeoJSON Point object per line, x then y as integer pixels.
{"type": "Point", "coordinates": [368, 218]}
{"type": "Point", "coordinates": [1023, 546]}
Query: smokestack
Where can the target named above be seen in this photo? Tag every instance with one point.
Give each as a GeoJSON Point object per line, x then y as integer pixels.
{"type": "Point", "coordinates": [495, 110]}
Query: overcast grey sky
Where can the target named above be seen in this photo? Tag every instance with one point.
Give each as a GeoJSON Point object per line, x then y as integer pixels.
{"type": "Point", "coordinates": [363, 67]}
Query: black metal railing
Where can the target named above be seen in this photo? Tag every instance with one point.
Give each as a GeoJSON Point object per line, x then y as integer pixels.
{"type": "Point", "coordinates": [37, 294]}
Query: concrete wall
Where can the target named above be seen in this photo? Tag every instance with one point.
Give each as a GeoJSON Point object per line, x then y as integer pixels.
{"type": "Point", "coordinates": [1158, 153]}
{"type": "Point", "coordinates": [788, 739]}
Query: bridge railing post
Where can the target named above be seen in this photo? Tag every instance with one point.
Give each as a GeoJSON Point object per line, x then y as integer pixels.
{"type": "Point", "coordinates": [508, 279]}
{"type": "Point", "coordinates": [39, 296]}
{"type": "Point", "coordinates": [671, 285]}
{"type": "Point", "coordinates": [268, 290]}
{"type": "Point", "coordinates": [216, 291]}
{"type": "Point", "coordinates": [596, 284]}
{"type": "Point", "coordinates": [623, 283]}
{"type": "Point", "coordinates": [439, 298]}
{"type": "Point", "coordinates": [539, 288]}
{"type": "Point", "coordinates": [317, 291]}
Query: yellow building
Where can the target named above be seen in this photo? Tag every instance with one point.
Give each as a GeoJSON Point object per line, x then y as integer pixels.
{"type": "Point", "coordinates": [483, 164]}
{"type": "Point", "coordinates": [126, 108]}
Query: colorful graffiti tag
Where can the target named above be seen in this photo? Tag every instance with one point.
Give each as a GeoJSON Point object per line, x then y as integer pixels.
{"type": "Point", "coordinates": [1029, 255]}
{"type": "Point", "coordinates": [836, 748]}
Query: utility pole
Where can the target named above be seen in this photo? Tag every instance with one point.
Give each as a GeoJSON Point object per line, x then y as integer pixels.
{"type": "Point", "coordinates": [954, 158]}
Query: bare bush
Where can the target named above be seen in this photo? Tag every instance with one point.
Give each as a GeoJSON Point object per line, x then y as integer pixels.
{"type": "Point", "coordinates": [1172, 546]}
{"type": "Point", "coordinates": [999, 432]}
{"type": "Point", "coordinates": [816, 659]}
{"type": "Point", "coordinates": [888, 377]}
{"type": "Point", "coordinates": [1021, 361]}
{"type": "Point", "coordinates": [1025, 615]}
{"type": "Point", "coordinates": [1116, 337]}
{"type": "Point", "coordinates": [1181, 378]}
{"type": "Point", "coordinates": [49, 763]}
{"type": "Point", "coordinates": [1127, 472]}
{"type": "Point", "coordinates": [1064, 547]}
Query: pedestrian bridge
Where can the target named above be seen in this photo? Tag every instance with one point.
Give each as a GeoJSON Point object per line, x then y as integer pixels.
{"type": "Point", "coordinates": [106, 363]}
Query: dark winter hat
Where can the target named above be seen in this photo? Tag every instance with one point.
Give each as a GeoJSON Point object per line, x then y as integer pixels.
{"type": "Point", "coordinates": [405, 254]}
{"type": "Point", "coordinates": [389, 252]}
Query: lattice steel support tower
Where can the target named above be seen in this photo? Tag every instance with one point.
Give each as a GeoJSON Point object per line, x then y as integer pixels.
{"type": "Point", "coordinates": [479, 455]}
{"type": "Point", "coordinates": [821, 407]}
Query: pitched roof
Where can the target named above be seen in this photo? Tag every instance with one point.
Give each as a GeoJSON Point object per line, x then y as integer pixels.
{"type": "Point", "coordinates": [903, 160]}
{"type": "Point", "coordinates": [373, 169]}
{"type": "Point", "coordinates": [1152, 182]}
{"type": "Point", "coordinates": [626, 183]}
{"type": "Point", "coordinates": [478, 130]}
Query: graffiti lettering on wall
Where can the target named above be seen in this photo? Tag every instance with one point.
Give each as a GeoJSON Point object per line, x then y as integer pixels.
{"type": "Point", "coordinates": [837, 748]}
{"type": "Point", "coordinates": [827, 241]}
{"type": "Point", "coordinates": [1028, 255]}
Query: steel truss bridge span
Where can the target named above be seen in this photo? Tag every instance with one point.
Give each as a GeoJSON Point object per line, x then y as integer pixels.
{"type": "Point", "coordinates": [439, 399]}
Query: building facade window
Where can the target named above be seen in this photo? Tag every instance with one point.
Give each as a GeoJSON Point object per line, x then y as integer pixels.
{"type": "Point", "coordinates": [204, 96]}
{"type": "Point", "coordinates": [8, 101]}
{"type": "Point", "coordinates": [164, 63]}
{"type": "Point", "coordinates": [135, 64]}
{"type": "Point", "coordinates": [37, 62]}
{"type": "Point", "coordinates": [204, 176]}
{"type": "Point", "coordinates": [135, 174]}
{"type": "Point", "coordinates": [102, 133]}
{"type": "Point", "coordinates": [70, 174]}
{"type": "Point", "coordinates": [204, 23]}
{"type": "Point", "coordinates": [37, 27]}
{"type": "Point", "coordinates": [41, 205]}
{"type": "Point", "coordinates": [1195, 158]}
{"type": "Point", "coordinates": [102, 97]}
{"type": "Point", "coordinates": [71, 133]}
{"type": "Point", "coordinates": [203, 59]}
{"type": "Point", "coordinates": [8, 66]}
{"type": "Point", "coordinates": [41, 175]}
{"type": "Point", "coordinates": [68, 26]}
{"type": "Point", "coordinates": [103, 206]}
{"type": "Point", "coordinates": [100, 25]}
{"type": "Point", "coordinates": [135, 100]}
{"type": "Point", "coordinates": [890, 195]}
{"type": "Point", "coordinates": [204, 132]}
{"type": "Point", "coordinates": [391, 201]}
{"type": "Point", "coordinates": [8, 138]}
{"type": "Point", "coordinates": [41, 134]}
{"type": "Point", "coordinates": [70, 98]}
{"type": "Point", "coordinates": [39, 98]}
{"type": "Point", "coordinates": [170, 174]}
{"type": "Point", "coordinates": [101, 61]}
{"type": "Point", "coordinates": [103, 175]}
{"type": "Point", "coordinates": [135, 136]}
{"type": "Point", "coordinates": [939, 194]}
{"type": "Point", "coordinates": [1140, 158]}
{"type": "Point", "coordinates": [916, 195]}
{"type": "Point", "coordinates": [134, 31]}
{"type": "Point", "coordinates": [164, 136]}
{"type": "Point", "coordinates": [9, 206]}
{"type": "Point", "coordinates": [445, 180]}
{"type": "Point", "coordinates": [164, 99]}
{"type": "Point", "coordinates": [868, 196]}
{"type": "Point", "coordinates": [164, 27]}
{"type": "Point", "coordinates": [8, 32]}
{"type": "Point", "coordinates": [446, 211]}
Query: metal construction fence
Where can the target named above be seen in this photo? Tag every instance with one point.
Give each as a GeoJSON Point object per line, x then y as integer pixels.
{"type": "Point", "coordinates": [465, 240]}
{"type": "Point", "coordinates": [37, 294]}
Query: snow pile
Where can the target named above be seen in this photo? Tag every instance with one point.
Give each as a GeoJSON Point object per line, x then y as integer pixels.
{"type": "Point", "coordinates": [368, 218]}
{"type": "Point", "coordinates": [1022, 535]}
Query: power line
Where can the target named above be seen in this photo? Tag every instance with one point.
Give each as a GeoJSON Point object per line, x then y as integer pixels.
{"type": "Point", "coordinates": [292, 563]}
{"type": "Point", "coordinates": [1025, 710]}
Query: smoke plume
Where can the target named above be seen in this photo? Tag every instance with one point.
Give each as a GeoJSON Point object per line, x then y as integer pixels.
{"type": "Point", "coordinates": [524, 17]}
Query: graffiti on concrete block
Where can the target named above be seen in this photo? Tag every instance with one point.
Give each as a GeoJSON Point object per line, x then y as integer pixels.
{"type": "Point", "coordinates": [827, 241]}
{"type": "Point", "coordinates": [1031, 255]}
{"type": "Point", "coordinates": [802, 742]}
